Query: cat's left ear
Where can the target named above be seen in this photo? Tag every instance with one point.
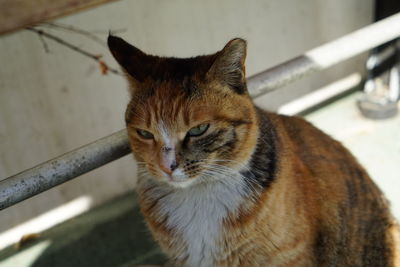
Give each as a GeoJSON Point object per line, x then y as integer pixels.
{"type": "Point", "coordinates": [229, 68]}
{"type": "Point", "coordinates": [134, 62]}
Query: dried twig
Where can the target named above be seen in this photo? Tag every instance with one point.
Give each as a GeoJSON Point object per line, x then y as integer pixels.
{"type": "Point", "coordinates": [107, 32]}
{"type": "Point", "coordinates": [73, 29]}
{"type": "Point", "coordinates": [44, 43]}
{"type": "Point", "coordinates": [104, 68]}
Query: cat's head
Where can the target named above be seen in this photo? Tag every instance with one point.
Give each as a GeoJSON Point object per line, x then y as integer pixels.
{"type": "Point", "coordinates": [189, 119]}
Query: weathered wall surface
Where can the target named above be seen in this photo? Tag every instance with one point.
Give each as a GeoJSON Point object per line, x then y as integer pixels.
{"type": "Point", "coordinates": [53, 102]}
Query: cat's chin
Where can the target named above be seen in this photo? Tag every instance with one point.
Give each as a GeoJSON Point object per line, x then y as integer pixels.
{"type": "Point", "coordinates": [176, 182]}
{"type": "Point", "coordinates": [181, 184]}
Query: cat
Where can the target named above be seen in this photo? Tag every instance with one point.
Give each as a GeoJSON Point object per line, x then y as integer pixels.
{"type": "Point", "coordinates": [225, 183]}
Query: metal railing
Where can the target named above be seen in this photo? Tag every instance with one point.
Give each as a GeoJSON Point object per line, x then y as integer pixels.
{"type": "Point", "coordinates": [72, 164]}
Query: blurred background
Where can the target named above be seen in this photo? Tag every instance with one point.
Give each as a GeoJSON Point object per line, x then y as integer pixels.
{"type": "Point", "coordinates": [54, 99]}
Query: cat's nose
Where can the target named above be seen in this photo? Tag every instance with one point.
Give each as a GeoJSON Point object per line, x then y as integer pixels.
{"type": "Point", "coordinates": [168, 168]}
{"type": "Point", "coordinates": [168, 162]}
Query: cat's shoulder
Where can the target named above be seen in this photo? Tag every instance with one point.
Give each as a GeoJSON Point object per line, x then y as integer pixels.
{"type": "Point", "coordinates": [300, 135]}
{"type": "Point", "coordinates": [289, 123]}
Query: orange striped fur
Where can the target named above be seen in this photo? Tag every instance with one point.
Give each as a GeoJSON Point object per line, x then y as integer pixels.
{"type": "Point", "coordinates": [224, 183]}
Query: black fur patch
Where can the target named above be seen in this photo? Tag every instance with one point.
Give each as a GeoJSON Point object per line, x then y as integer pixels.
{"type": "Point", "coordinates": [212, 142]}
{"type": "Point", "coordinates": [239, 87]}
{"type": "Point", "coordinates": [262, 169]}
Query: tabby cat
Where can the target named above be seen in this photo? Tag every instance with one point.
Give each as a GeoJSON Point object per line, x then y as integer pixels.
{"type": "Point", "coordinates": [225, 183]}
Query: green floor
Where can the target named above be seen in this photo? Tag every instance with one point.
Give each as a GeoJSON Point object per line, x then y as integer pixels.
{"type": "Point", "coordinates": [111, 235]}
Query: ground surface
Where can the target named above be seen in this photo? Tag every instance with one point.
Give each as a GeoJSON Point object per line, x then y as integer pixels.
{"type": "Point", "coordinates": [110, 235]}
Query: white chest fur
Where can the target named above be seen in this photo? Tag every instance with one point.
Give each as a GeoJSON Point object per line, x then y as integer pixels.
{"type": "Point", "coordinates": [197, 212]}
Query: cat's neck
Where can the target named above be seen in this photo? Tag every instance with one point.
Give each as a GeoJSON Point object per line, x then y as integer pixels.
{"type": "Point", "coordinates": [194, 214]}
{"type": "Point", "coordinates": [262, 164]}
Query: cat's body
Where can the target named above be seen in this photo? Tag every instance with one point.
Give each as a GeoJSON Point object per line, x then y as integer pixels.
{"type": "Point", "coordinates": [310, 214]}
{"type": "Point", "coordinates": [244, 187]}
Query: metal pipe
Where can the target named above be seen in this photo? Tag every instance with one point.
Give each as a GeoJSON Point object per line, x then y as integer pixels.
{"type": "Point", "coordinates": [325, 55]}
{"type": "Point", "coordinates": [66, 167]}
{"type": "Point", "coordinates": [70, 165]}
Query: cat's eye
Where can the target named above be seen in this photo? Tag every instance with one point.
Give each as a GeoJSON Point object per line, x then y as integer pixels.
{"type": "Point", "coordinates": [198, 130]}
{"type": "Point", "coordinates": [145, 134]}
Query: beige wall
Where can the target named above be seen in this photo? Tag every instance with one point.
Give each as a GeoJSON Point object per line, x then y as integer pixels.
{"type": "Point", "coordinates": [53, 102]}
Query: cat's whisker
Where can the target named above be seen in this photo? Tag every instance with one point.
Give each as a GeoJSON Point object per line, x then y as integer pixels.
{"type": "Point", "coordinates": [220, 169]}
{"type": "Point", "coordinates": [241, 165]}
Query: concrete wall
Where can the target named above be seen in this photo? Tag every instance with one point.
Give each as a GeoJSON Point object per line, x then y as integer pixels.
{"type": "Point", "coordinates": [53, 102]}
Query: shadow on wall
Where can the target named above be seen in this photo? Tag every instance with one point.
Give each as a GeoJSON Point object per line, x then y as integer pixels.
{"type": "Point", "coordinates": [111, 235]}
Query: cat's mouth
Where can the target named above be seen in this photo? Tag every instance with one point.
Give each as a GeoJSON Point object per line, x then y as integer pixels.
{"type": "Point", "coordinates": [178, 179]}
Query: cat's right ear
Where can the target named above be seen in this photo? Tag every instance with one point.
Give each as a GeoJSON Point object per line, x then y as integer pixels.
{"type": "Point", "coordinates": [131, 59]}
{"type": "Point", "coordinates": [229, 67]}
